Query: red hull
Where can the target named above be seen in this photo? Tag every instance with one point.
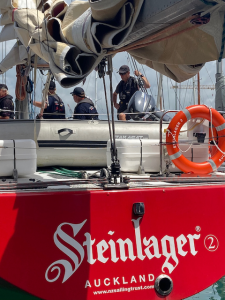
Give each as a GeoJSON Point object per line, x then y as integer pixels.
{"type": "Point", "coordinates": [45, 236]}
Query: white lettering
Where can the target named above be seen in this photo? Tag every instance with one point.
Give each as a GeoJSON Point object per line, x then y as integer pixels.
{"type": "Point", "coordinates": [89, 243]}
{"type": "Point", "coordinates": [138, 238]}
{"type": "Point", "coordinates": [75, 252]}
{"type": "Point", "coordinates": [181, 241]}
{"type": "Point", "coordinates": [167, 254]}
{"type": "Point", "coordinates": [113, 251]}
{"type": "Point", "coordinates": [87, 284]}
{"type": "Point", "coordinates": [74, 244]}
{"type": "Point", "coordinates": [151, 277]}
{"type": "Point", "coordinates": [122, 243]}
{"type": "Point", "coordinates": [99, 283]}
{"type": "Point", "coordinates": [115, 281]}
{"type": "Point", "coordinates": [107, 284]}
{"type": "Point", "coordinates": [142, 278]}
{"type": "Point", "coordinates": [101, 248]}
{"type": "Point", "coordinates": [155, 246]}
{"type": "Point", "coordinates": [192, 242]}
{"type": "Point", "coordinates": [124, 282]}
{"type": "Point", "coordinates": [133, 280]}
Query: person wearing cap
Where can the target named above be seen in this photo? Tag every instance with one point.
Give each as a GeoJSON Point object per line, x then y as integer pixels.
{"type": "Point", "coordinates": [126, 89]}
{"type": "Point", "coordinates": [6, 103]}
{"type": "Point", "coordinates": [54, 107]}
{"type": "Point", "coordinates": [85, 109]}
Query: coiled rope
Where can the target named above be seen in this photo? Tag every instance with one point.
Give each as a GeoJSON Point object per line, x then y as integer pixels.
{"type": "Point", "coordinates": [20, 84]}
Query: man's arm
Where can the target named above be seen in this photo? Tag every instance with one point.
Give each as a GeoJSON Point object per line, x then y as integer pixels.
{"type": "Point", "coordinates": [116, 105]}
{"type": "Point", "coordinates": [145, 80]}
{"type": "Point", "coordinates": [39, 104]}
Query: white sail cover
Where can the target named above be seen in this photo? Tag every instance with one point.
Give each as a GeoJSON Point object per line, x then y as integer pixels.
{"type": "Point", "coordinates": [74, 38]}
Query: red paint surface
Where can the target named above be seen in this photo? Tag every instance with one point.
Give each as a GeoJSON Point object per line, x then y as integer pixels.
{"type": "Point", "coordinates": [28, 222]}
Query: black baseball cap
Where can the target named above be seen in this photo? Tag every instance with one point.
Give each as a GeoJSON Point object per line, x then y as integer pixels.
{"type": "Point", "coordinates": [3, 86]}
{"type": "Point", "coordinates": [52, 85]}
{"type": "Point", "coordinates": [124, 69]}
{"type": "Point", "coordinates": [78, 91]}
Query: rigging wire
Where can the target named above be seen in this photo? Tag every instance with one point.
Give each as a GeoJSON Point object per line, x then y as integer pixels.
{"type": "Point", "coordinates": [143, 71]}
{"type": "Point", "coordinates": [209, 75]}
{"type": "Point", "coordinates": [107, 109]}
{"type": "Point", "coordinates": [163, 100]}
{"type": "Point", "coordinates": [89, 77]}
{"type": "Point", "coordinates": [143, 89]}
{"type": "Point", "coordinates": [2, 60]}
{"type": "Point", "coordinates": [168, 92]}
{"type": "Point", "coordinates": [180, 105]}
{"type": "Point", "coordinates": [5, 56]}
{"type": "Point", "coordinates": [117, 81]}
{"type": "Point", "coordinates": [110, 70]}
{"type": "Point", "coordinates": [186, 93]}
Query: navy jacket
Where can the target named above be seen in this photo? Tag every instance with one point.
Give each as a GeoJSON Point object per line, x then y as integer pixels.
{"type": "Point", "coordinates": [7, 106]}
{"type": "Point", "coordinates": [87, 110]}
{"type": "Point", "coordinates": [55, 108]}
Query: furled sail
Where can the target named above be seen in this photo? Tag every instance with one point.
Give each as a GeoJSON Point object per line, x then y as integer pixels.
{"type": "Point", "coordinates": [74, 38]}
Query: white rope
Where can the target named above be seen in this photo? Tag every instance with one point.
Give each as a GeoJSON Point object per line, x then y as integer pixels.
{"type": "Point", "coordinates": [183, 151]}
{"type": "Point", "coordinates": [210, 109]}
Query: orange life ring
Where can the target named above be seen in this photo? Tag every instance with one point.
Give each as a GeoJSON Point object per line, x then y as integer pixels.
{"type": "Point", "coordinates": [181, 162]}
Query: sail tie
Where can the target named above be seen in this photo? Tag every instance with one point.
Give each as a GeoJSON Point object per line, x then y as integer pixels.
{"type": "Point", "coordinates": [20, 84]}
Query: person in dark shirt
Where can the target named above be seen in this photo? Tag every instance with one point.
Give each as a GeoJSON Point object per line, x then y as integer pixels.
{"type": "Point", "coordinates": [6, 103]}
{"type": "Point", "coordinates": [85, 109]}
{"type": "Point", "coordinates": [54, 106]}
{"type": "Point", "coordinates": [126, 89]}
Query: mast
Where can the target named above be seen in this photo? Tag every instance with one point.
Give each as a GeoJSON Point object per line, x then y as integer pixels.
{"type": "Point", "coordinates": [194, 90]}
{"type": "Point", "coordinates": [159, 98]}
{"type": "Point", "coordinates": [176, 98]}
{"type": "Point", "coordinates": [179, 95]}
{"type": "Point", "coordinates": [220, 90]}
{"type": "Point", "coordinates": [199, 100]}
{"type": "Point", "coordinates": [96, 89]}
{"type": "Point", "coordinates": [219, 68]}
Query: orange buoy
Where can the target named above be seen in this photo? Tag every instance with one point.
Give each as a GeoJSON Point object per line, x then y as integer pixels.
{"type": "Point", "coordinates": [172, 135]}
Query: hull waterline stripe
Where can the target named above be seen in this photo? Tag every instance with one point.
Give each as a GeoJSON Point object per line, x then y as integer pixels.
{"type": "Point", "coordinates": [221, 127]}
{"type": "Point", "coordinates": [213, 165]}
{"type": "Point", "coordinates": [175, 156]}
{"type": "Point", "coordinates": [187, 114]}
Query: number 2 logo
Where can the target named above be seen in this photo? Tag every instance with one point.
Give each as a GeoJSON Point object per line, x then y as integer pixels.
{"type": "Point", "coordinates": [211, 243]}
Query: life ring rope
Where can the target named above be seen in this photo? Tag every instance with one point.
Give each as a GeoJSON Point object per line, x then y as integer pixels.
{"type": "Point", "coordinates": [183, 151]}
{"type": "Point", "coordinates": [218, 128]}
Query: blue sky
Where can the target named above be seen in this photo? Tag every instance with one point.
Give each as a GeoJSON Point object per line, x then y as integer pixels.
{"type": "Point", "coordinates": [185, 96]}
